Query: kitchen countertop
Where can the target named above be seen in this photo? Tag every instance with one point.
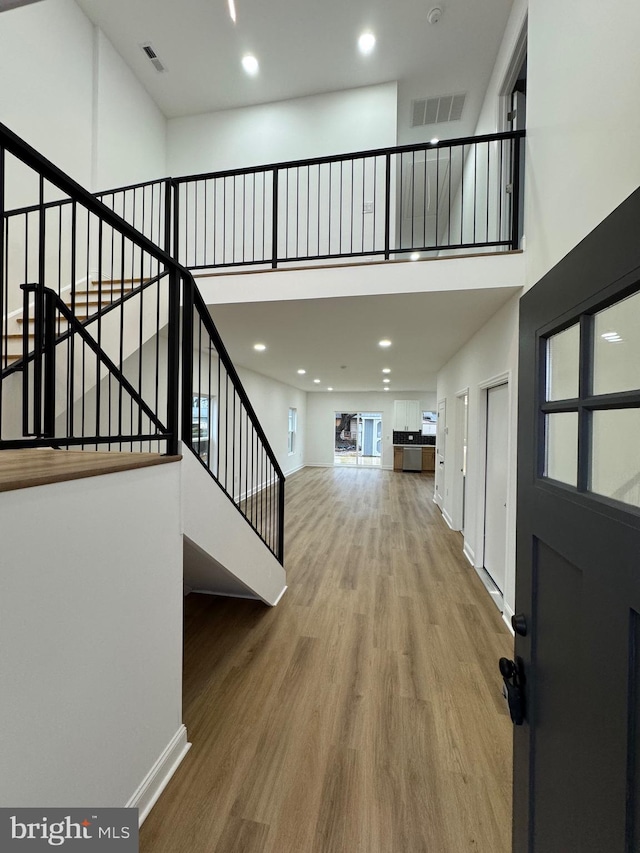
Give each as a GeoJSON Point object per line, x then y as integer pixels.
{"type": "Point", "coordinates": [414, 445]}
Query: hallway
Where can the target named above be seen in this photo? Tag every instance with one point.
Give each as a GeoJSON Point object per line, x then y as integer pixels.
{"type": "Point", "coordinates": [364, 713]}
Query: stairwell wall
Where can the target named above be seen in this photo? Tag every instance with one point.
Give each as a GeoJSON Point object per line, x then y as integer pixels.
{"type": "Point", "coordinates": [70, 95]}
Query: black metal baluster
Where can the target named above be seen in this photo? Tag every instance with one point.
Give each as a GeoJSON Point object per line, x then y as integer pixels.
{"type": "Point", "coordinates": [487, 193]}
{"type": "Point", "coordinates": [387, 207]}
{"type": "Point", "coordinates": [4, 295]}
{"type": "Point", "coordinates": [274, 223]}
{"type": "Point", "coordinates": [515, 196]}
{"type": "Point", "coordinates": [437, 236]}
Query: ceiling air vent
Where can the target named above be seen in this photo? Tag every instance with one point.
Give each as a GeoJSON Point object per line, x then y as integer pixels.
{"type": "Point", "coordinates": [153, 56]}
{"type": "Point", "coordinates": [436, 110]}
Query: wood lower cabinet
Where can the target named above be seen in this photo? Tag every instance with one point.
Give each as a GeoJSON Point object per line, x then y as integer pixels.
{"type": "Point", "coordinates": [397, 458]}
{"type": "Point", "coordinates": [429, 459]}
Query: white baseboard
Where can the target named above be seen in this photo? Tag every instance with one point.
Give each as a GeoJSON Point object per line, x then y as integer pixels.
{"type": "Point", "coordinates": [246, 597]}
{"type": "Point", "coordinates": [507, 613]}
{"type": "Point", "coordinates": [448, 519]}
{"type": "Point", "coordinates": [277, 601]}
{"type": "Point", "coordinates": [437, 499]}
{"type": "Point", "coordinates": [469, 553]}
{"type": "Point", "coordinates": [158, 777]}
{"type": "Point", "coordinates": [293, 471]}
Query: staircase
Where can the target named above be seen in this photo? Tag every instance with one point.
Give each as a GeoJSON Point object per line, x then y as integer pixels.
{"type": "Point", "coordinates": [116, 365]}
{"type": "Point", "coordinates": [87, 304]}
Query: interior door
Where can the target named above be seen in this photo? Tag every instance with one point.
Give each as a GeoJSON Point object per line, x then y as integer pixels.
{"type": "Point", "coordinates": [441, 439]}
{"type": "Point", "coordinates": [577, 755]}
{"type": "Point", "coordinates": [496, 478]}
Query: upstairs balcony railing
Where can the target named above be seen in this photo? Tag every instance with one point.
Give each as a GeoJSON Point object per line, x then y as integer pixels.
{"type": "Point", "coordinates": [430, 199]}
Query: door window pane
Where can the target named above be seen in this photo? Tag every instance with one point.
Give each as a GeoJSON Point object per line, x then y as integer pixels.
{"type": "Point", "coordinates": [615, 464]}
{"type": "Point", "coordinates": [563, 359]}
{"type": "Point", "coordinates": [561, 447]}
{"type": "Point", "coordinates": [616, 347]}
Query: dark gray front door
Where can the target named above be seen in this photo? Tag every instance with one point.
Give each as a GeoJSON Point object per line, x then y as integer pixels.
{"type": "Point", "coordinates": [577, 756]}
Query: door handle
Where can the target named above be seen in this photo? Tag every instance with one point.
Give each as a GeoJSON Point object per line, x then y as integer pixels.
{"type": "Point", "coordinates": [513, 688]}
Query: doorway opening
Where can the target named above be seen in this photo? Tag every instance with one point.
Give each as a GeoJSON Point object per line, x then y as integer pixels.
{"type": "Point", "coordinates": [358, 439]}
{"type": "Point", "coordinates": [462, 433]}
{"type": "Point", "coordinates": [496, 484]}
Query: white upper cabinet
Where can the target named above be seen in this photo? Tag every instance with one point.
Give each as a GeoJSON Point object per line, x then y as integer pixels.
{"type": "Point", "coordinates": [407, 416]}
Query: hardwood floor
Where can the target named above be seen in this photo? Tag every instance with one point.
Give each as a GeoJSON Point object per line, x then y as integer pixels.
{"type": "Point", "coordinates": [363, 714]}
{"type": "Point", "coordinates": [20, 469]}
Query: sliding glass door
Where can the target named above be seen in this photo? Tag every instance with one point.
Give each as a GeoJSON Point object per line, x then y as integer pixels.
{"type": "Point", "coordinates": [358, 438]}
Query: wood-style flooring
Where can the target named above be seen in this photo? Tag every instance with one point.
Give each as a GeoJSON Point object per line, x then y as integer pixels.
{"type": "Point", "coordinates": [364, 713]}
{"type": "Point", "coordinates": [20, 469]}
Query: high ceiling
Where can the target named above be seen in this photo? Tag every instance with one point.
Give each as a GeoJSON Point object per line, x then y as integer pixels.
{"type": "Point", "coordinates": [336, 340]}
{"type": "Point", "coordinates": [304, 47]}
{"type": "Point", "coordinates": [308, 47]}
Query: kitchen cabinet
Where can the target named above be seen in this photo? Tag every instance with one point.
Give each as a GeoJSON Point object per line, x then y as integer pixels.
{"type": "Point", "coordinates": [397, 458]}
{"type": "Point", "coordinates": [407, 416]}
{"type": "Point", "coordinates": [429, 459]}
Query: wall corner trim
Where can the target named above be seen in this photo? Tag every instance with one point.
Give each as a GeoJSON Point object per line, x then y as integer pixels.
{"type": "Point", "coordinates": [469, 554]}
{"type": "Point", "coordinates": [448, 519]}
{"type": "Point", "coordinates": [507, 613]}
{"type": "Point", "coordinates": [158, 777]}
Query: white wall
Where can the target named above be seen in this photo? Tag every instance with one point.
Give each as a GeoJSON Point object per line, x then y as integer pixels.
{"type": "Point", "coordinates": [70, 95]}
{"type": "Point", "coordinates": [491, 352]}
{"type": "Point", "coordinates": [130, 137]}
{"type": "Point", "coordinates": [90, 637]}
{"type": "Point", "coordinates": [321, 413]}
{"type": "Point", "coordinates": [582, 122]}
{"type": "Point", "coordinates": [334, 123]}
{"type": "Point", "coordinates": [271, 401]}
{"type": "Point", "coordinates": [46, 65]}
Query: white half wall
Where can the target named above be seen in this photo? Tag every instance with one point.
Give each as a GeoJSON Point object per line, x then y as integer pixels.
{"type": "Point", "coordinates": [439, 274]}
{"type": "Point", "coordinates": [321, 413]}
{"type": "Point", "coordinates": [491, 352]}
{"type": "Point", "coordinates": [333, 123]}
{"type": "Point", "coordinates": [91, 639]}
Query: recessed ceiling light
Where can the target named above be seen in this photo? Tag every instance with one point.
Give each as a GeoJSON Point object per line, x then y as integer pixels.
{"type": "Point", "coordinates": [612, 337]}
{"type": "Point", "coordinates": [434, 141]}
{"type": "Point", "coordinates": [386, 370]}
{"type": "Point", "coordinates": [250, 64]}
{"type": "Point", "coordinates": [259, 347]}
{"type": "Point", "coordinates": [386, 380]}
{"type": "Point", "coordinates": [366, 43]}
{"type": "Point", "coordinates": [329, 388]}
{"type": "Point", "coordinates": [232, 10]}
{"type": "Point", "coordinates": [317, 381]}
{"type": "Point", "coordinates": [415, 256]}
{"type": "Point", "coordinates": [384, 343]}
{"type": "Point", "coordinates": [385, 389]}
{"type": "Point", "coordinates": [302, 372]}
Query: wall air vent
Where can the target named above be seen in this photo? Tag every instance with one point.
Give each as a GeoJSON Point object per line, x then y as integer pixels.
{"type": "Point", "coordinates": [437, 110]}
{"type": "Point", "coordinates": [152, 56]}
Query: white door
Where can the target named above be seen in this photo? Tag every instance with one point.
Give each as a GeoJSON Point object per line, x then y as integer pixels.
{"type": "Point", "coordinates": [441, 439]}
{"type": "Point", "coordinates": [495, 512]}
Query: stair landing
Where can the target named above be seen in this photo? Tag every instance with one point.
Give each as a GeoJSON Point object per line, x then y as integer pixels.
{"type": "Point", "coordinates": [21, 469]}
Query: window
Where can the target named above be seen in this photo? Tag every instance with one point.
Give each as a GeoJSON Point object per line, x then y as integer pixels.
{"type": "Point", "coordinates": [293, 425]}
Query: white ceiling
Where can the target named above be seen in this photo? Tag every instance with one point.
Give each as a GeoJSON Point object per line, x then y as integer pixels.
{"type": "Point", "coordinates": [308, 47]}
{"type": "Point", "coordinates": [304, 47]}
{"type": "Point", "coordinates": [322, 335]}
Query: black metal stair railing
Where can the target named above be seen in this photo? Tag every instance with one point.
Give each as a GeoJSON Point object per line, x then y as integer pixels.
{"type": "Point", "coordinates": [429, 198]}
{"type": "Point", "coordinates": [96, 352]}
